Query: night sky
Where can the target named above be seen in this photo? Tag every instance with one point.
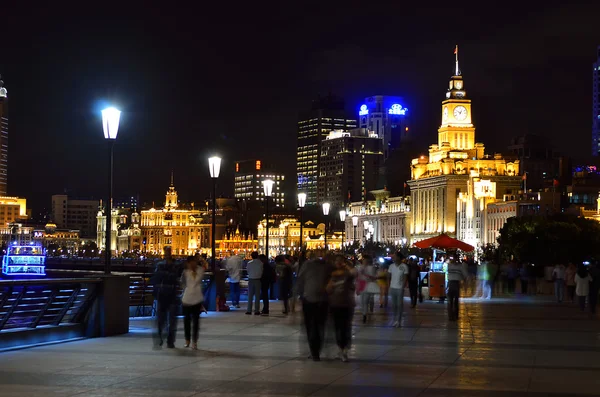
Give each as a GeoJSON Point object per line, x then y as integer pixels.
{"type": "Point", "coordinates": [231, 79]}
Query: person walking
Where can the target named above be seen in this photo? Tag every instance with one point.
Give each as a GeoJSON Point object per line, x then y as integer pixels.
{"type": "Point", "coordinates": [570, 281]}
{"type": "Point", "coordinates": [283, 266]}
{"type": "Point", "coordinates": [234, 268]}
{"type": "Point", "coordinates": [413, 281]}
{"type": "Point", "coordinates": [558, 275]}
{"type": "Point", "coordinates": [456, 274]}
{"type": "Point", "coordinates": [266, 281]}
{"type": "Point", "coordinates": [524, 276]}
{"type": "Point", "coordinates": [191, 300]}
{"type": "Point", "coordinates": [582, 285]}
{"type": "Point", "coordinates": [255, 271]}
{"type": "Point", "coordinates": [369, 275]}
{"type": "Point", "coordinates": [398, 273]}
{"type": "Point", "coordinates": [165, 281]}
{"type": "Point", "coordinates": [340, 289]}
{"type": "Point", "coordinates": [312, 281]}
{"type": "Point", "coordinates": [594, 272]}
{"type": "Point", "coordinates": [383, 280]}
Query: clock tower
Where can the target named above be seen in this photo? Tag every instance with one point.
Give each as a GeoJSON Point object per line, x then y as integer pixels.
{"type": "Point", "coordinates": [457, 128]}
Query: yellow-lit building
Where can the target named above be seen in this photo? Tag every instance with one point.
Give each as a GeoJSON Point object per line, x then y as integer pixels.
{"type": "Point", "coordinates": [12, 209]}
{"type": "Point", "coordinates": [285, 237]}
{"type": "Point", "coordinates": [437, 180]}
{"type": "Point", "coordinates": [236, 244]}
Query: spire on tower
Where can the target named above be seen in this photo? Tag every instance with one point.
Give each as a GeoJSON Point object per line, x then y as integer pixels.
{"type": "Point", "coordinates": [172, 178]}
{"type": "Point", "coordinates": [457, 69]}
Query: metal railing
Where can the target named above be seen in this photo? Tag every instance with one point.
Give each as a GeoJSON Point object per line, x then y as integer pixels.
{"type": "Point", "coordinates": [27, 304]}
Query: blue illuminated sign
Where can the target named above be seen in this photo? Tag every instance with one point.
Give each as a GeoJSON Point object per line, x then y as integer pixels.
{"type": "Point", "coordinates": [363, 110]}
{"type": "Point", "coordinates": [397, 109]}
{"type": "Point", "coordinates": [22, 260]}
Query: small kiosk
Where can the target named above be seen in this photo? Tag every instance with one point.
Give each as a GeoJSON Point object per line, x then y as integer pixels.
{"type": "Point", "coordinates": [24, 260]}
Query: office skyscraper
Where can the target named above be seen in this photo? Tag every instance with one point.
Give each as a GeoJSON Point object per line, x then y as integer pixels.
{"type": "Point", "coordinates": [326, 114]}
{"type": "Point", "coordinates": [3, 139]}
{"type": "Point", "coordinates": [596, 106]}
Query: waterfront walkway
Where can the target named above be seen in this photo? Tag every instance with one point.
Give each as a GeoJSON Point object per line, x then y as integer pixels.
{"type": "Point", "coordinates": [505, 347]}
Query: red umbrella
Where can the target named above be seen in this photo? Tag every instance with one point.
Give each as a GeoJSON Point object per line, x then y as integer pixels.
{"type": "Point", "coordinates": [443, 241]}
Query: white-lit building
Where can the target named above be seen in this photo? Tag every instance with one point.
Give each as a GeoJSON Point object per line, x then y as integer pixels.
{"type": "Point", "coordinates": [471, 209]}
{"type": "Point", "coordinates": [385, 219]}
{"type": "Point", "coordinates": [285, 237]}
{"type": "Point", "coordinates": [248, 185]}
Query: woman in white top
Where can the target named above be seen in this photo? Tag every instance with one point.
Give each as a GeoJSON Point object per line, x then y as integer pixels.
{"type": "Point", "coordinates": [582, 285]}
{"type": "Point", "coordinates": [191, 282]}
{"type": "Point", "coordinates": [368, 273]}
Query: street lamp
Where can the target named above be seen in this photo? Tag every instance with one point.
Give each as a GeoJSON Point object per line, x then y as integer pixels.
{"type": "Point", "coordinates": [110, 125]}
{"type": "Point", "coordinates": [343, 219]}
{"type": "Point", "coordinates": [301, 204]}
{"type": "Point", "coordinates": [326, 207]}
{"type": "Point", "coordinates": [268, 190]}
{"type": "Point", "coordinates": [355, 224]}
{"type": "Point", "coordinates": [214, 167]}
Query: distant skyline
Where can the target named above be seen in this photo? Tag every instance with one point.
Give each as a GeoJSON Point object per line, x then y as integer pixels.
{"type": "Point", "coordinates": [231, 80]}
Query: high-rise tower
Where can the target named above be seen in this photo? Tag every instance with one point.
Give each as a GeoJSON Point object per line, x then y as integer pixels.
{"type": "Point", "coordinates": [596, 106]}
{"type": "Point", "coordinates": [327, 114]}
{"type": "Point", "coordinates": [3, 139]}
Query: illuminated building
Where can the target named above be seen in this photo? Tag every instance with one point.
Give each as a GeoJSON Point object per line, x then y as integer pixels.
{"type": "Point", "coordinates": [385, 219]}
{"type": "Point", "coordinates": [249, 175]}
{"type": "Point", "coordinates": [596, 106]}
{"type": "Point", "coordinates": [236, 244]}
{"type": "Point", "coordinates": [3, 140]}
{"type": "Point", "coordinates": [471, 209]}
{"type": "Point", "coordinates": [101, 229]}
{"type": "Point", "coordinates": [12, 209]}
{"type": "Point", "coordinates": [69, 213]}
{"type": "Point", "coordinates": [284, 238]}
{"type": "Point", "coordinates": [387, 117]}
{"type": "Point", "coordinates": [334, 241]}
{"type": "Point", "coordinates": [438, 179]}
{"type": "Point", "coordinates": [129, 236]}
{"type": "Point", "coordinates": [65, 239]}
{"type": "Point", "coordinates": [327, 114]}
{"type": "Point", "coordinates": [349, 166]}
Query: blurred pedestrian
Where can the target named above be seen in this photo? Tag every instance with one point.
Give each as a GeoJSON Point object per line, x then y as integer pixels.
{"type": "Point", "coordinates": [582, 285]}
{"type": "Point", "coordinates": [255, 271]}
{"type": "Point", "coordinates": [312, 281]}
{"type": "Point", "coordinates": [413, 281]}
{"type": "Point", "coordinates": [456, 274]}
{"type": "Point", "coordinates": [383, 280]}
{"type": "Point", "coordinates": [234, 268]}
{"type": "Point", "coordinates": [191, 300]}
{"type": "Point", "coordinates": [283, 266]}
{"type": "Point", "coordinates": [341, 302]}
{"type": "Point", "coordinates": [166, 282]}
{"type": "Point", "coordinates": [369, 275]}
{"type": "Point", "coordinates": [570, 281]}
{"type": "Point", "coordinates": [558, 275]}
{"type": "Point", "coordinates": [266, 281]}
{"type": "Point", "coordinates": [398, 273]}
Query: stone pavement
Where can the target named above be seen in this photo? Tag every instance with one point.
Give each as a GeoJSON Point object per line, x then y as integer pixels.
{"type": "Point", "coordinates": [519, 346]}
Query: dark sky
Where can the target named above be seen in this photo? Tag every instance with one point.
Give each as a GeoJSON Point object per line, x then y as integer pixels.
{"type": "Point", "coordinates": [231, 78]}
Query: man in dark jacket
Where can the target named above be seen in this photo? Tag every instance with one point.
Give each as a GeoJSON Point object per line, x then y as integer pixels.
{"type": "Point", "coordinates": [165, 281]}
{"type": "Point", "coordinates": [268, 277]}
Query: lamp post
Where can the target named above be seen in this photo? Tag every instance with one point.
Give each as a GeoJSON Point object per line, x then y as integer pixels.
{"type": "Point", "coordinates": [343, 219]}
{"type": "Point", "coordinates": [355, 224]}
{"type": "Point", "coordinates": [214, 167]}
{"type": "Point", "coordinates": [268, 190]}
{"type": "Point", "coordinates": [326, 207]}
{"type": "Point", "coordinates": [301, 204]}
{"type": "Point", "coordinates": [110, 125]}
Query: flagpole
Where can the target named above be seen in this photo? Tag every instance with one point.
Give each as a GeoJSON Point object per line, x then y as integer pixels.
{"type": "Point", "coordinates": [456, 54]}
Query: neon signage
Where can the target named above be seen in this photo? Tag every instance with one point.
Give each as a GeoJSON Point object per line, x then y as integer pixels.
{"type": "Point", "coordinates": [397, 109]}
{"type": "Point", "coordinates": [363, 110]}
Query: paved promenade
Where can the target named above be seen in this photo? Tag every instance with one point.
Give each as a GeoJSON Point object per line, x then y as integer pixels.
{"type": "Point", "coordinates": [507, 347]}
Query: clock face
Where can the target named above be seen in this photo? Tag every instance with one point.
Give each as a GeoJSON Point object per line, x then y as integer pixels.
{"type": "Point", "coordinates": [460, 113]}
{"type": "Point", "coordinates": [445, 114]}
{"type": "Point", "coordinates": [458, 84]}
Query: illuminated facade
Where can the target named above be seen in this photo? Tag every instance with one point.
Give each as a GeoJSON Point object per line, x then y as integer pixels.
{"type": "Point", "coordinates": [387, 117]}
{"type": "Point", "coordinates": [3, 140]}
{"type": "Point", "coordinates": [12, 209]}
{"type": "Point", "coordinates": [63, 238]}
{"type": "Point", "coordinates": [129, 236]}
{"type": "Point", "coordinates": [349, 166]}
{"type": "Point", "coordinates": [471, 210]}
{"type": "Point", "coordinates": [249, 175]}
{"type": "Point", "coordinates": [596, 106]}
{"type": "Point", "coordinates": [101, 229]}
{"type": "Point", "coordinates": [438, 179]}
{"type": "Point", "coordinates": [327, 114]}
{"type": "Point", "coordinates": [385, 219]}
{"type": "Point", "coordinates": [236, 244]}
{"type": "Point", "coordinates": [285, 237]}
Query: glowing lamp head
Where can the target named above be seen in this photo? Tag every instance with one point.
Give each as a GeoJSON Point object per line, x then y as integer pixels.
{"type": "Point", "coordinates": [326, 207]}
{"type": "Point", "coordinates": [301, 200]}
{"type": "Point", "coordinates": [214, 166]}
{"type": "Point", "coordinates": [110, 122]}
{"type": "Point", "coordinates": [343, 215]}
{"type": "Point", "coordinates": [366, 224]}
{"type": "Point", "coordinates": [268, 187]}
{"type": "Point", "coordinates": [355, 221]}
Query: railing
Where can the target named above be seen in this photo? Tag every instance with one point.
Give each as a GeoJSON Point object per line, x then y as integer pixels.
{"type": "Point", "coordinates": [27, 304]}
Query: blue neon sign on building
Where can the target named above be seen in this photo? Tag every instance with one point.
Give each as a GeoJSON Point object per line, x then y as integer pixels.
{"type": "Point", "coordinates": [397, 109]}
{"type": "Point", "coordinates": [363, 110]}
